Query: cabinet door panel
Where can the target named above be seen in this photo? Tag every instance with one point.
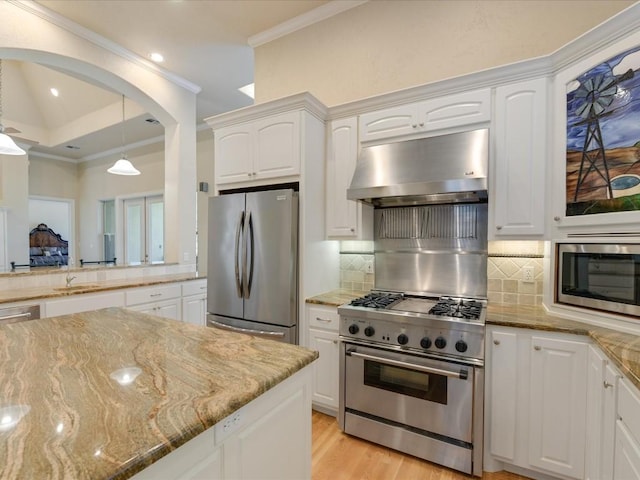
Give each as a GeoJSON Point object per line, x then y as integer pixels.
{"type": "Point", "coordinates": [504, 374]}
{"type": "Point", "coordinates": [342, 214]}
{"type": "Point", "coordinates": [520, 133]}
{"type": "Point", "coordinates": [558, 407]}
{"type": "Point", "coordinates": [194, 309]}
{"type": "Point", "coordinates": [455, 110]}
{"type": "Point", "coordinates": [387, 123]}
{"type": "Point", "coordinates": [325, 385]}
{"type": "Point", "coordinates": [277, 146]}
{"type": "Point", "coordinates": [627, 455]}
{"type": "Point", "coordinates": [233, 154]}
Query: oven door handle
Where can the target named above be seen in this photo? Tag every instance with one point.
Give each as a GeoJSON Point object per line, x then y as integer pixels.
{"type": "Point", "coordinates": [461, 374]}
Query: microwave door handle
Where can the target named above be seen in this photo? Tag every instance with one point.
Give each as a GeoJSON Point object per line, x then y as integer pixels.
{"type": "Point", "coordinates": [460, 374]}
{"type": "Point", "coordinates": [236, 253]}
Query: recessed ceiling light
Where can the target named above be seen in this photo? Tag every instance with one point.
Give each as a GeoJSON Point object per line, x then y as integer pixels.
{"type": "Point", "coordinates": [156, 57]}
{"type": "Point", "coordinates": [248, 90]}
{"type": "Point", "coordinates": [54, 92]}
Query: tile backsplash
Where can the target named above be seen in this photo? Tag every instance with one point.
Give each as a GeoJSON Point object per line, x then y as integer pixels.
{"type": "Point", "coordinates": [356, 271]}
{"type": "Point", "coordinates": [505, 272]}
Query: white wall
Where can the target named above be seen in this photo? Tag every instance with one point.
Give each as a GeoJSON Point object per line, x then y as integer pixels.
{"type": "Point", "coordinates": [387, 45]}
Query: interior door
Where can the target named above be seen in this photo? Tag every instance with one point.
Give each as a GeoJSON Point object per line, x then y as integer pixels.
{"type": "Point", "coordinates": [272, 217]}
{"type": "Point", "coordinates": [155, 229]}
{"type": "Point", "coordinates": [225, 220]}
{"type": "Point", "coordinates": [134, 213]}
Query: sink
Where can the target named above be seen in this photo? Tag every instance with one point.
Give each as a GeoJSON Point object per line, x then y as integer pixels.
{"type": "Point", "coordinates": [80, 286]}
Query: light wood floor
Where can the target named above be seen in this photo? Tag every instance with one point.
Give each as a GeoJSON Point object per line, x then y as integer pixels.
{"type": "Point", "coordinates": [337, 456]}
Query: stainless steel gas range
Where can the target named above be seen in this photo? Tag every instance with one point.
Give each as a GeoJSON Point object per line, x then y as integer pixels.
{"type": "Point", "coordinates": [412, 351]}
{"type": "Point", "coordinates": [412, 376]}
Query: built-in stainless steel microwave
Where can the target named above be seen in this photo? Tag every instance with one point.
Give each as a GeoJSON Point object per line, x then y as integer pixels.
{"type": "Point", "coordinates": [599, 276]}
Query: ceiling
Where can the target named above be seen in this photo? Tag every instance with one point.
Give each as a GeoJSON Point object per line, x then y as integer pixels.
{"type": "Point", "coordinates": [202, 41]}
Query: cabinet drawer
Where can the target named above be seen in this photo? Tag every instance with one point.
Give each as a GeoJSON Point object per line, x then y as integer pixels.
{"type": "Point", "coordinates": [629, 408]}
{"type": "Point", "coordinates": [323, 317]}
{"type": "Point", "coordinates": [152, 294]}
{"type": "Point", "coordinates": [194, 287]}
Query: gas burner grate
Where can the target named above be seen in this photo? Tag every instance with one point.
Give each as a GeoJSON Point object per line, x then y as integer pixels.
{"type": "Point", "coordinates": [376, 300]}
{"type": "Point", "coordinates": [450, 307]}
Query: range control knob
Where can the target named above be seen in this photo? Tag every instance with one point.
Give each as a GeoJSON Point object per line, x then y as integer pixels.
{"type": "Point", "coordinates": [369, 331]}
{"type": "Point", "coordinates": [425, 342]}
{"type": "Point", "coordinates": [403, 339]}
{"type": "Point", "coordinates": [461, 346]}
{"type": "Point", "coordinates": [353, 329]}
{"type": "Point", "coordinates": [440, 342]}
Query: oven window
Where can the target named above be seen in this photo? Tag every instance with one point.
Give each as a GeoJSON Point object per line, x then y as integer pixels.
{"type": "Point", "coordinates": [611, 277]}
{"type": "Point", "coordinates": [425, 386]}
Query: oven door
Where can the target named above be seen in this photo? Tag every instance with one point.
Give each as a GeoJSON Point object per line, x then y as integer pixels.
{"type": "Point", "coordinates": [431, 395]}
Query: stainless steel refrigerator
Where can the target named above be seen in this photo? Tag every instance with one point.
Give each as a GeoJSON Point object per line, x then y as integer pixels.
{"type": "Point", "coordinates": [252, 276]}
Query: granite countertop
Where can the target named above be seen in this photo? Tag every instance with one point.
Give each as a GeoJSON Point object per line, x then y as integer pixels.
{"type": "Point", "coordinates": [79, 422]}
{"type": "Point", "coordinates": [335, 298]}
{"type": "Point", "coordinates": [38, 293]}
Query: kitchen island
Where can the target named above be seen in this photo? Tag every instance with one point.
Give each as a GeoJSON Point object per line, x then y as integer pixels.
{"type": "Point", "coordinates": [105, 394]}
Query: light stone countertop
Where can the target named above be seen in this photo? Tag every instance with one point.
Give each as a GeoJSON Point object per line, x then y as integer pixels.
{"type": "Point", "coordinates": [622, 348]}
{"type": "Point", "coordinates": [39, 293]}
{"type": "Point", "coordinates": [80, 423]}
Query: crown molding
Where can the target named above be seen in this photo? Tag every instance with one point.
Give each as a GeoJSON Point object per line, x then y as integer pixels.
{"type": "Point", "coordinates": [102, 42]}
{"type": "Point", "coordinates": [300, 101]}
{"type": "Point", "coordinates": [302, 21]}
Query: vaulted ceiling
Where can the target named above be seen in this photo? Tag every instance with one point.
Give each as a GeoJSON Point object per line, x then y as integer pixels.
{"type": "Point", "coordinates": [204, 42]}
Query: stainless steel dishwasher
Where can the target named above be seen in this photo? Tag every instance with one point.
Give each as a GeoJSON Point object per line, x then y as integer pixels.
{"type": "Point", "coordinates": [19, 314]}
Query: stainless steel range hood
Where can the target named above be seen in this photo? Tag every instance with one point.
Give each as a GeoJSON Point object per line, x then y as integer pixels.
{"type": "Point", "coordinates": [441, 169]}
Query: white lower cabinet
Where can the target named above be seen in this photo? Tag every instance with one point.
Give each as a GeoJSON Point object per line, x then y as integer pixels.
{"type": "Point", "coordinates": [626, 464]}
{"type": "Point", "coordinates": [162, 300]}
{"type": "Point", "coordinates": [83, 303]}
{"type": "Point", "coordinates": [536, 400]}
{"type": "Point", "coordinates": [602, 381]}
{"type": "Point", "coordinates": [269, 438]}
{"type": "Point", "coordinates": [323, 324]}
{"type": "Point", "coordinates": [194, 302]}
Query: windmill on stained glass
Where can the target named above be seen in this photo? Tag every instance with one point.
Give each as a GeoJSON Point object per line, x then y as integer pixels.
{"type": "Point", "coordinates": [593, 97]}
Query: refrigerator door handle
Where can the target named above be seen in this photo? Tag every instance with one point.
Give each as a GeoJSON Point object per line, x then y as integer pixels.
{"type": "Point", "coordinates": [245, 280]}
{"type": "Point", "coordinates": [257, 333]}
{"type": "Point", "coordinates": [251, 252]}
{"type": "Point", "coordinates": [239, 228]}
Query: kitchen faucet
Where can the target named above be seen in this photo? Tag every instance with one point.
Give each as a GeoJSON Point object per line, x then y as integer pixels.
{"type": "Point", "coordinates": [69, 278]}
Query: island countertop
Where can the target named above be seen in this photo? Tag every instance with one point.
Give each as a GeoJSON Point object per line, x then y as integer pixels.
{"type": "Point", "coordinates": [81, 411]}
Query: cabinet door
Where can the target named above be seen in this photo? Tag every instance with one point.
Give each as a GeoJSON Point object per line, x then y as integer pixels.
{"type": "Point", "coordinates": [518, 191]}
{"type": "Point", "coordinates": [83, 303]}
{"type": "Point", "coordinates": [595, 414]}
{"type": "Point", "coordinates": [168, 309]}
{"type": "Point", "coordinates": [627, 455]}
{"type": "Point", "coordinates": [325, 382]}
{"type": "Point", "coordinates": [275, 446]}
{"type": "Point", "coordinates": [345, 218]}
{"type": "Point", "coordinates": [194, 309]}
{"type": "Point", "coordinates": [388, 123]}
{"type": "Point", "coordinates": [277, 146]}
{"type": "Point", "coordinates": [558, 405]}
{"type": "Point", "coordinates": [610, 387]}
{"type": "Point", "coordinates": [455, 110]}
{"type": "Point", "coordinates": [233, 152]}
{"type": "Point", "coordinates": [503, 388]}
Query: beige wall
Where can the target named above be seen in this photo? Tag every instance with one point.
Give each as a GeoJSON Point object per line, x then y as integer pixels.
{"type": "Point", "coordinates": [205, 174]}
{"type": "Point", "coordinates": [384, 45]}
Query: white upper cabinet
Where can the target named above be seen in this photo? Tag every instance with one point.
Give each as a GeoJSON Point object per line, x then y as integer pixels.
{"type": "Point", "coordinates": [517, 192]}
{"type": "Point", "coordinates": [264, 148]}
{"type": "Point", "coordinates": [345, 218]}
{"type": "Point", "coordinates": [450, 111]}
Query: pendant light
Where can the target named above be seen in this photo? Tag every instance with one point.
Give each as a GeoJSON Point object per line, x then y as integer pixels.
{"type": "Point", "coordinates": [7, 145]}
{"type": "Point", "coordinates": [123, 166]}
